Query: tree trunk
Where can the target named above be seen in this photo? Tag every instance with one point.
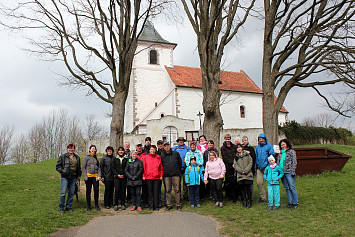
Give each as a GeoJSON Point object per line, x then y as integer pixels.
{"type": "Point", "coordinates": [117, 121]}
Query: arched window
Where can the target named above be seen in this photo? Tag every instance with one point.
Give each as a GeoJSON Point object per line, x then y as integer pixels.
{"type": "Point", "coordinates": [153, 57]}
{"type": "Point", "coordinates": [242, 111]}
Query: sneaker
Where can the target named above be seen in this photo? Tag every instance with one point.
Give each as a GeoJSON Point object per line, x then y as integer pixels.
{"type": "Point", "coordinates": [68, 209]}
{"type": "Point", "coordinates": [134, 208]}
{"type": "Point", "coordinates": [115, 208]}
{"type": "Point", "coordinates": [192, 206]}
{"type": "Point", "coordinates": [98, 208]}
{"type": "Point", "coordinates": [139, 209]}
{"type": "Point", "coordinates": [294, 206]}
{"type": "Point", "coordinates": [217, 204]}
{"type": "Point", "coordinates": [276, 207]}
{"type": "Point", "coordinates": [221, 204]}
{"type": "Point", "coordinates": [61, 211]}
{"type": "Point", "coordinates": [123, 207]}
{"type": "Point", "coordinates": [179, 207]}
{"type": "Point", "coordinates": [270, 208]}
{"type": "Point", "coordinates": [198, 205]}
{"type": "Point", "coordinates": [289, 205]}
{"type": "Point", "coordinates": [107, 207]}
{"type": "Point", "coordinates": [169, 207]}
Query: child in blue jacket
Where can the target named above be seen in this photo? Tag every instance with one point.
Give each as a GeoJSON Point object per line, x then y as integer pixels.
{"type": "Point", "coordinates": [193, 177]}
{"type": "Point", "coordinates": [273, 173]}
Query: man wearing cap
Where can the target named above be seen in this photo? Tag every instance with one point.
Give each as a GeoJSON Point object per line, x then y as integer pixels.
{"type": "Point", "coordinates": [182, 149]}
{"type": "Point", "coordinates": [140, 152]}
{"type": "Point", "coordinates": [171, 161]}
{"type": "Point", "coordinates": [147, 145]}
{"type": "Point", "coordinates": [160, 147]}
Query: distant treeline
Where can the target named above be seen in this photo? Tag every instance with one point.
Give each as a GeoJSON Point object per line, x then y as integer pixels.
{"type": "Point", "coordinates": [303, 134]}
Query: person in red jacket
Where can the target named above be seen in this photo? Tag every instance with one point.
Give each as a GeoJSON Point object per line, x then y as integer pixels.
{"type": "Point", "coordinates": [153, 174]}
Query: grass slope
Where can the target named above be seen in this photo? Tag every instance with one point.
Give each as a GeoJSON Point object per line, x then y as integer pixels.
{"type": "Point", "coordinates": [29, 196]}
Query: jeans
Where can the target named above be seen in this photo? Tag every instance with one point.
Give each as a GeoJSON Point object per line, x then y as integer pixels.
{"type": "Point", "coordinates": [66, 184]}
{"type": "Point", "coordinates": [288, 181]}
{"type": "Point", "coordinates": [216, 189]}
{"type": "Point", "coordinates": [136, 195]}
{"type": "Point", "coordinates": [273, 194]}
{"type": "Point", "coordinates": [91, 181]}
{"type": "Point", "coordinates": [194, 194]}
{"type": "Point", "coordinates": [259, 182]}
{"type": "Point", "coordinates": [172, 183]}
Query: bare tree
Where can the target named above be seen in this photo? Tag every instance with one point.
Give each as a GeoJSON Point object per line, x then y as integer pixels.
{"type": "Point", "coordinates": [320, 120]}
{"type": "Point", "coordinates": [20, 153]}
{"type": "Point", "coordinates": [93, 128]}
{"type": "Point", "coordinates": [215, 23]}
{"type": "Point", "coordinates": [6, 134]}
{"type": "Point", "coordinates": [95, 39]}
{"type": "Point", "coordinates": [304, 38]}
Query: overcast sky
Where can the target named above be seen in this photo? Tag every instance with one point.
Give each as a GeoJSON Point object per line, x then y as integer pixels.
{"type": "Point", "coordinates": [29, 87]}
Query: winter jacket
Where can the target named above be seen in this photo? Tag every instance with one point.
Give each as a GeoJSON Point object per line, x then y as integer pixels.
{"type": "Point", "coordinates": [171, 163]}
{"type": "Point", "coordinates": [214, 169]}
{"type": "Point", "coordinates": [146, 149]}
{"type": "Point", "coordinates": [105, 168]}
{"type": "Point", "coordinates": [63, 166]}
{"type": "Point", "coordinates": [252, 154]}
{"type": "Point", "coordinates": [182, 151]}
{"type": "Point", "coordinates": [153, 168]}
{"type": "Point", "coordinates": [203, 146]}
{"type": "Point", "coordinates": [206, 155]}
{"type": "Point", "coordinates": [90, 165]}
{"type": "Point", "coordinates": [198, 156]}
{"type": "Point", "coordinates": [134, 170]}
{"type": "Point", "coordinates": [244, 163]}
{"type": "Point", "coordinates": [263, 151]}
{"type": "Point", "coordinates": [193, 175]}
{"type": "Point", "coordinates": [118, 167]}
{"type": "Point", "coordinates": [290, 162]}
{"type": "Point", "coordinates": [228, 153]}
{"type": "Point", "coordinates": [274, 175]}
{"type": "Point", "coordinates": [140, 156]}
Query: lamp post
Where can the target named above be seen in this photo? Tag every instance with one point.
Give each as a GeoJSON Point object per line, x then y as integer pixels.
{"type": "Point", "coordinates": [200, 115]}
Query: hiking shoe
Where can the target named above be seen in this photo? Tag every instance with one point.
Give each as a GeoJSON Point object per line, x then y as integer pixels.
{"type": "Point", "coordinates": [276, 207]}
{"type": "Point", "coordinates": [98, 208]}
{"type": "Point", "coordinates": [289, 205]}
{"type": "Point", "coordinates": [169, 207]}
{"type": "Point", "coordinates": [179, 207]}
{"type": "Point", "coordinates": [294, 206]}
{"type": "Point", "coordinates": [61, 211]}
{"type": "Point", "coordinates": [115, 208]}
{"type": "Point", "coordinates": [134, 208]}
{"type": "Point", "coordinates": [68, 209]}
{"type": "Point", "coordinates": [123, 207]}
{"type": "Point", "coordinates": [270, 208]}
{"type": "Point", "coordinates": [217, 204]}
{"type": "Point", "coordinates": [221, 204]}
{"type": "Point", "coordinates": [192, 206]}
{"type": "Point", "coordinates": [139, 209]}
{"type": "Point", "coordinates": [198, 205]}
{"type": "Point", "coordinates": [107, 207]}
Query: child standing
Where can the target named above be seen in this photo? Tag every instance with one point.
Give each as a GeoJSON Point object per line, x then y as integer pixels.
{"type": "Point", "coordinates": [193, 175]}
{"type": "Point", "coordinates": [273, 173]}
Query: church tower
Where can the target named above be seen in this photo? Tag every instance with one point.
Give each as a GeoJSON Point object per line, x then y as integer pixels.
{"type": "Point", "coordinates": [150, 83]}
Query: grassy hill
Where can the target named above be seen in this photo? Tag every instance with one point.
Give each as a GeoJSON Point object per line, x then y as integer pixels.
{"type": "Point", "coordinates": [29, 196]}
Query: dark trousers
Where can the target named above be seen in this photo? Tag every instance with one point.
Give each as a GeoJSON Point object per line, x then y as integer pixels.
{"type": "Point", "coordinates": [108, 196]}
{"type": "Point", "coordinates": [92, 182]}
{"type": "Point", "coordinates": [153, 186]}
{"type": "Point", "coordinates": [230, 183]}
{"type": "Point", "coordinates": [194, 194]}
{"type": "Point", "coordinates": [185, 190]}
{"type": "Point", "coordinates": [129, 196]}
{"type": "Point", "coordinates": [216, 188]}
{"type": "Point", "coordinates": [144, 196]}
{"type": "Point", "coordinates": [120, 190]}
{"type": "Point", "coordinates": [136, 195]}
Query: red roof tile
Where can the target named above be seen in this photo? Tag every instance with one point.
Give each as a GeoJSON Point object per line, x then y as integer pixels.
{"type": "Point", "coordinates": [231, 81]}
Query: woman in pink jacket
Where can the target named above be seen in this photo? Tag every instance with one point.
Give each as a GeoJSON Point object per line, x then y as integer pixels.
{"type": "Point", "coordinates": [214, 173]}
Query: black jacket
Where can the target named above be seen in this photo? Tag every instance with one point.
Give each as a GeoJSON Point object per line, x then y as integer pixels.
{"type": "Point", "coordinates": [171, 163]}
{"type": "Point", "coordinates": [105, 168]}
{"type": "Point", "coordinates": [205, 155]}
{"type": "Point", "coordinates": [63, 166]}
{"type": "Point", "coordinates": [134, 170]}
{"type": "Point", "coordinates": [252, 154]}
{"type": "Point", "coordinates": [228, 154]}
{"type": "Point", "coordinates": [118, 167]}
{"type": "Point", "coordinates": [146, 149]}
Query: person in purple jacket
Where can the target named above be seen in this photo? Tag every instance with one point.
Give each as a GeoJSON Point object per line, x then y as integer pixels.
{"type": "Point", "coordinates": [215, 170]}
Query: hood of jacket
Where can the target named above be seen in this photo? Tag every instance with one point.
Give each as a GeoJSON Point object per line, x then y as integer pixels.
{"type": "Point", "coordinates": [262, 135]}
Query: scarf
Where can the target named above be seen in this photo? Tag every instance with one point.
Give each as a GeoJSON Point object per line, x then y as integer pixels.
{"type": "Point", "coordinates": [273, 166]}
{"type": "Point", "coordinates": [283, 159]}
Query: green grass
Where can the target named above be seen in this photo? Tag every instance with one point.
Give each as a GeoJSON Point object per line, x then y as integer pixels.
{"type": "Point", "coordinates": [29, 196]}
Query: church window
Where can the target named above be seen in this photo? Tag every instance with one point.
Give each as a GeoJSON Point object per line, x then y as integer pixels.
{"type": "Point", "coordinates": [242, 111]}
{"type": "Point", "coordinates": [153, 57]}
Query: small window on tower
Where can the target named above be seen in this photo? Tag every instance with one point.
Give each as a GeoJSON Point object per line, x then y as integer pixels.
{"type": "Point", "coordinates": [153, 57]}
{"type": "Point", "coordinates": [242, 111]}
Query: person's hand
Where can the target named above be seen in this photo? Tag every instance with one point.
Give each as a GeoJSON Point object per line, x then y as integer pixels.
{"type": "Point", "coordinates": [161, 178]}
{"type": "Point", "coordinates": [221, 177]}
{"type": "Point", "coordinates": [206, 181]}
{"type": "Point", "coordinates": [187, 185]}
{"type": "Point", "coordinates": [143, 178]}
{"type": "Point", "coordinates": [243, 172]}
{"type": "Point", "coordinates": [266, 179]}
{"type": "Point", "coordinates": [277, 178]}
{"type": "Point", "coordinates": [233, 165]}
{"type": "Point", "coordinates": [86, 179]}
{"type": "Point", "coordinates": [120, 176]}
{"type": "Point", "coordinates": [102, 179]}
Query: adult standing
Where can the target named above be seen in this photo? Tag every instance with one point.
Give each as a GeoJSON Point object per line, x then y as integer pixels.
{"type": "Point", "coordinates": [205, 189]}
{"type": "Point", "coordinates": [182, 149]}
{"type": "Point", "coordinates": [153, 174]}
{"type": "Point", "coordinates": [140, 152]}
{"type": "Point", "coordinates": [288, 163]}
{"type": "Point", "coordinates": [171, 162]}
{"type": "Point", "coordinates": [237, 141]}
{"type": "Point", "coordinates": [248, 147]}
{"type": "Point", "coordinates": [160, 147]}
{"type": "Point", "coordinates": [107, 177]}
{"type": "Point", "coordinates": [193, 152]}
{"type": "Point", "coordinates": [134, 172]}
{"type": "Point", "coordinates": [118, 170]}
{"type": "Point", "coordinates": [203, 145]}
{"type": "Point", "coordinates": [228, 152]}
{"type": "Point", "coordinates": [243, 164]}
{"type": "Point", "coordinates": [91, 177]}
{"type": "Point", "coordinates": [68, 165]}
{"type": "Point", "coordinates": [263, 151]}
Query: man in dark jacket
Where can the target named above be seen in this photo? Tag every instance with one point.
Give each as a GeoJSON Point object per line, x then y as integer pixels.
{"type": "Point", "coordinates": [228, 152]}
{"type": "Point", "coordinates": [68, 165]}
{"type": "Point", "coordinates": [148, 143]}
{"type": "Point", "coordinates": [118, 166]}
{"type": "Point", "coordinates": [107, 176]}
{"type": "Point", "coordinates": [171, 161]}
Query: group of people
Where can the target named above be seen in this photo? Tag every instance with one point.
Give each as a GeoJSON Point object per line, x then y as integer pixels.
{"type": "Point", "coordinates": [138, 175]}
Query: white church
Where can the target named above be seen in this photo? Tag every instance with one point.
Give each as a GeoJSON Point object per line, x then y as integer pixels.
{"type": "Point", "coordinates": [165, 100]}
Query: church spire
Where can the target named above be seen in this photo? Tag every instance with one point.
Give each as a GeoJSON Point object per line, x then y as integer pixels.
{"type": "Point", "coordinates": [150, 34]}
